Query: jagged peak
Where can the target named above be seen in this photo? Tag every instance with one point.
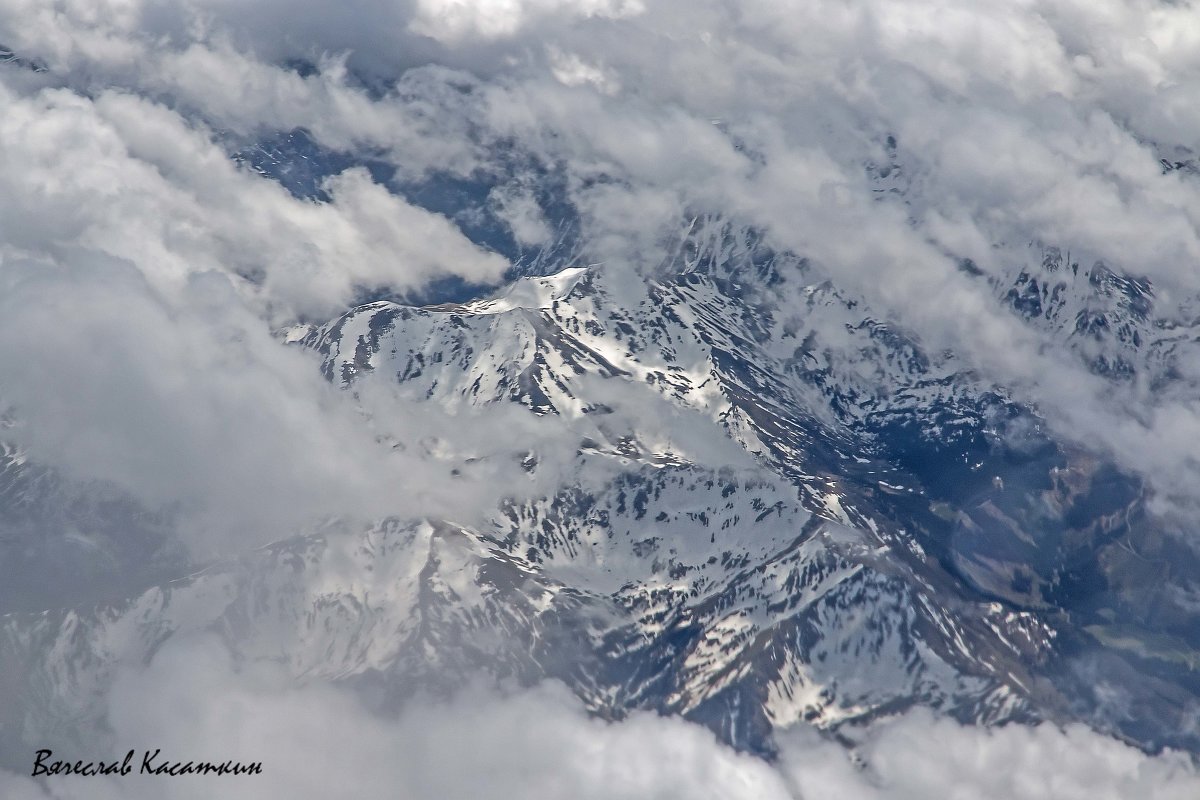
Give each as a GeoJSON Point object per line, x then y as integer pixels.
{"type": "Point", "coordinates": [531, 292]}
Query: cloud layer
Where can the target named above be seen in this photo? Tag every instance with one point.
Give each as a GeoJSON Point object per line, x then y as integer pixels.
{"type": "Point", "coordinates": [1039, 122]}
{"type": "Point", "coordinates": [142, 273]}
{"type": "Point", "coordinates": [318, 741]}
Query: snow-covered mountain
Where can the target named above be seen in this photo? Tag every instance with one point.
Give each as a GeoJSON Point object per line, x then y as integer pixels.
{"type": "Point", "coordinates": [768, 506]}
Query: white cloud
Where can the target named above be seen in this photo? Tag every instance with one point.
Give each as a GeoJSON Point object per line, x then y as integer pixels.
{"type": "Point", "coordinates": [318, 741]}
{"type": "Point", "coordinates": [143, 271]}
{"type": "Point", "coordinates": [455, 20]}
{"type": "Point", "coordinates": [195, 407]}
{"type": "Point", "coordinates": [919, 756]}
{"type": "Point", "coordinates": [133, 180]}
{"type": "Point", "coordinates": [518, 207]}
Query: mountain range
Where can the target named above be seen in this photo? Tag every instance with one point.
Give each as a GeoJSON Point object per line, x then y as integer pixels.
{"type": "Point", "coordinates": [763, 504]}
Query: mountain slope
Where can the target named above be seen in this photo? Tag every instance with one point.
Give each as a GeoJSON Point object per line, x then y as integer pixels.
{"type": "Point", "coordinates": [768, 507]}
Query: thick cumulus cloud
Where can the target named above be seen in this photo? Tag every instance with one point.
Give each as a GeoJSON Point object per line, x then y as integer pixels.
{"type": "Point", "coordinates": [143, 271]}
{"type": "Point", "coordinates": [317, 742]}
{"type": "Point", "coordinates": [126, 177]}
